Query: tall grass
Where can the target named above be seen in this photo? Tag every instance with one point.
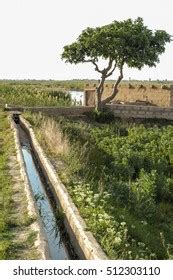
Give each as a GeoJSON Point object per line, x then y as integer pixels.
{"type": "Point", "coordinates": [31, 95]}
{"type": "Point", "coordinates": [5, 187]}
{"type": "Point", "coordinates": [54, 139]}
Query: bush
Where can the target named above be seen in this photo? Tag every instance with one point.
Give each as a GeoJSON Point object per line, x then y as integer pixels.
{"type": "Point", "coordinates": [103, 116]}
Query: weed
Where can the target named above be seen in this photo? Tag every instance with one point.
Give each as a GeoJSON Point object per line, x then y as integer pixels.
{"type": "Point", "coordinates": [120, 178]}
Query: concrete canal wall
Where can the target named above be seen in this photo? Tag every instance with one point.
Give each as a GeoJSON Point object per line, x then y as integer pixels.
{"type": "Point", "coordinates": [83, 241]}
{"type": "Point", "coordinates": [41, 241]}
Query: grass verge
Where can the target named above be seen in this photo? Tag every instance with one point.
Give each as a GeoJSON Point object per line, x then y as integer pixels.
{"type": "Point", "coordinates": [16, 236]}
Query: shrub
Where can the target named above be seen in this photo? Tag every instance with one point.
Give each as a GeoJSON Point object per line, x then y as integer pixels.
{"type": "Point", "coordinates": [103, 116]}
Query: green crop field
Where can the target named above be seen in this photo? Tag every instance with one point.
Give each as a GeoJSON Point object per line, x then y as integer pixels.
{"type": "Point", "coordinates": [33, 95]}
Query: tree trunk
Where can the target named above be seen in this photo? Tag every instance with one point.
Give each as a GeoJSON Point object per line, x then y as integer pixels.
{"type": "Point", "coordinates": [115, 89]}
{"type": "Point", "coordinates": [109, 98]}
{"type": "Point", "coordinates": [99, 92]}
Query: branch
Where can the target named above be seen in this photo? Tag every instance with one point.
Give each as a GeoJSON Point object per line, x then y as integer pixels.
{"type": "Point", "coordinates": [109, 65]}
{"type": "Point", "coordinates": [111, 72]}
{"type": "Point", "coordinates": [120, 76]}
{"type": "Point", "coordinates": [97, 68]}
{"type": "Point", "coordinates": [105, 70]}
{"type": "Point", "coordinates": [93, 62]}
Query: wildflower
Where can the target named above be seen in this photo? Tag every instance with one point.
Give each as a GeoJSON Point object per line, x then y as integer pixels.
{"type": "Point", "coordinates": [118, 240]}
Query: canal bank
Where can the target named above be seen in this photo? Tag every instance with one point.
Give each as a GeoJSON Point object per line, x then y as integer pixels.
{"type": "Point", "coordinates": [41, 244]}
{"type": "Point", "coordinates": [82, 240]}
{"type": "Point", "coordinates": [52, 241]}
{"type": "Point", "coordinates": [49, 212]}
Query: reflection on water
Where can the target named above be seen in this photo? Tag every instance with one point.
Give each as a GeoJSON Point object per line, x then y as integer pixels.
{"type": "Point", "coordinates": [57, 248]}
{"type": "Point", "coordinates": [77, 97]}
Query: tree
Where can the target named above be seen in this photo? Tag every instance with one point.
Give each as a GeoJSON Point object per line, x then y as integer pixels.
{"type": "Point", "coordinates": [119, 43]}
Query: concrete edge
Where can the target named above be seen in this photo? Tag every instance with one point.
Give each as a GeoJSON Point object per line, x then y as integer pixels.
{"type": "Point", "coordinates": [83, 241]}
{"type": "Point", "coordinates": [41, 241]}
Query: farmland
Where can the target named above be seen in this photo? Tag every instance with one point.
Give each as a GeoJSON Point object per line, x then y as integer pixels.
{"type": "Point", "coordinates": [33, 95]}
{"type": "Point", "coordinates": [47, 93]}
{"type": "Point", "coordinates": [120, 177]}
{"type": "Point", "coordinates": [118, 173]}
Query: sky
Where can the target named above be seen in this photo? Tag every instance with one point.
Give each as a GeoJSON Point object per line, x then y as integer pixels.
{"type": "Point", "coordinates": [33, 33]}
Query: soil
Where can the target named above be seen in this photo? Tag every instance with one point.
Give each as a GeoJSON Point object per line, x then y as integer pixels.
{"type": "Point", "coordinates": [23, 228]}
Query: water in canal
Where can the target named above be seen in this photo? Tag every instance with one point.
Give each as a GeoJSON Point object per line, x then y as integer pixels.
{"type": "Point", "coordinates": [57, 247]}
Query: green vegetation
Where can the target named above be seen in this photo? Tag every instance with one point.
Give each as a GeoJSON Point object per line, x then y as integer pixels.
{"type": "Point", "coordinates": [120, 43]}
{"type": "Point", "coordinates": [12, 222]}
{"type": "Point", "coordinates": [66, 84]}
{"type": "Point", "coordinates": [33, 95]}
{"type": "Point", "coordinates": [120, 176]}
{"type": "Point", "coordinates": [5, 187]}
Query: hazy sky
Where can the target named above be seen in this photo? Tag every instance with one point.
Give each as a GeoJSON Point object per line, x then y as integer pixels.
{"type": "Point", "coordinates": [33, 33]}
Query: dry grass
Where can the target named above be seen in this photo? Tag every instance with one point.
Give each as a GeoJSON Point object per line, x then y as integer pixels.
{"type": "Point", "coordinates": [56, 142]}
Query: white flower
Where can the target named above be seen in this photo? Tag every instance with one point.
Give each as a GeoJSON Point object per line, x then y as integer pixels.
{"type": "Point", "coordinates": [118, 240]}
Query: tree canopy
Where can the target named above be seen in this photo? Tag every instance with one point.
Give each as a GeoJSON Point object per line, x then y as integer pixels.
{"type": "Point", "coordinates": [121, 42]}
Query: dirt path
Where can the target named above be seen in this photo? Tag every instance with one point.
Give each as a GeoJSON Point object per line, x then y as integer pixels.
{"type": "Point", "coordinates": [23, 228]}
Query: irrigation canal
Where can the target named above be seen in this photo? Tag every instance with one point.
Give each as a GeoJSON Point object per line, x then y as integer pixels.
{"type": "Point", "coordinates": [58, 241]}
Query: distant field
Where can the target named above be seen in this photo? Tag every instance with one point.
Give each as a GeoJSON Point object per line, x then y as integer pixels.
{"type": "Point", "coordinates": [49, 93]}
{"type": "Point", "coordinates": [22, 94]}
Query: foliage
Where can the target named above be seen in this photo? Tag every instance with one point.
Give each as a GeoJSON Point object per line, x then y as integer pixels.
{"type": "Point", "coordinates": [119, 43]}
{"type": "Point", "coordinates": [103, 116]}
{"type": "Point", "coordinates": [130, 41]}
{"type": "Point", "coordinates": [120, 177]}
